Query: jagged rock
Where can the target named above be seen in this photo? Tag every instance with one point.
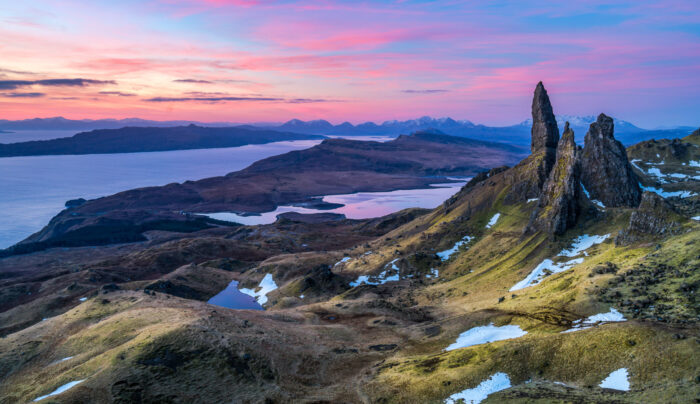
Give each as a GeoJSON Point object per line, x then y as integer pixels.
{"type": "Point", "coordinates": [605, 171]}
{"type": "Point", "coordinates": [558, 206]}
{"type": "Point", "coordinates": [529, 176]}
{"type": "Point", "coordinates": [545, 132]}
{"type": "Point", "coordinates": [654, 217]}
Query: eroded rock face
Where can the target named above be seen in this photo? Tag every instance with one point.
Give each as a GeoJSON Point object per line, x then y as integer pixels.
{"type": "Point", "coordinates": [605, 170]}
{"type": "Point", "coordinates": [654, 217]}
{"type": "Point", "coordinates": [529, 176]}
{"type": "Point", "coordinates": [558, 206]}
{"type": "Point", "coordinates": [545, 132]}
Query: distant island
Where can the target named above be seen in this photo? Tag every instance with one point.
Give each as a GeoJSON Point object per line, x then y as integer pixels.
{"type": "Point", "coordinates": [150, 139]}
{"type": "Point", "coordinates": [336, 166]}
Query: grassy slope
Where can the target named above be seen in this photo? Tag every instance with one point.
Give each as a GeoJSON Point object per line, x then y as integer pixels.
{"type": "Point", "coordinates": [331, 347]}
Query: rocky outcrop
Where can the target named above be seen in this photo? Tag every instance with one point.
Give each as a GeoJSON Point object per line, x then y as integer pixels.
{"type": "Point", "coordinates": [558, 206]}
{"type": "Point", "coordinates": [529, 176]}
{"type": "Point", "coordinates": [605, 170]}
{"type": "Point", "coordinates": [545, 132]}
{"type": "Point", "coordinates": [654, 218]}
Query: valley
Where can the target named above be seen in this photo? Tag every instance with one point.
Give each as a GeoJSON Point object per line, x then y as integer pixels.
{"type": "Point", "coordinates": [553, 276]}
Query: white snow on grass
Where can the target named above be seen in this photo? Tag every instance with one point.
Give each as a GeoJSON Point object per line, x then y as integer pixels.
{"type": "Point", "coordinates": [493, 220]}
{"type": "Point", "coordinates": [60, 390]}
{"type": "Point", "coordinates": [548, 266]}
{"type": "Point", "coordinates": [655, 172]}
{"type": "Point", "coordinates": [387, 275]}
{"type": "Point", "coordinates": [344, 260]}
{"type": "Point", "coordinates": [582, 243]}
{"type": "Point", "coordinates": [485, 334]}
{"type": "Point", "coordinates": [497, 382]}
{"type": "Point", "coordinates": [267, 285]}
{"type": "Point", "coordinates": [533, 200]}
{"type": "Point", "coordinates": [391, 273]}
{"type": "Point", "coordinates": [696, 218]}
{"type": "Point", "coordinates": [694, 163]}
{"type": "Point", "coordinates": [618, 380]}
{"type": "Point", "coordinates": [633, 162]}
{"type": "Point", "coordinates": [595, 201]}
{"type": "Point", "coordinates": [613, 316]}
{"type": "Point", "coordinates": [445, 255]}
{"type": "Point", "coordinates": [82, 299]}
{"type": "Point", "coordinates": [61, 360]}
{"type": "Point", "coordinates": [544, 269]}
{"type": "Point", "coordinates": [668, 194]}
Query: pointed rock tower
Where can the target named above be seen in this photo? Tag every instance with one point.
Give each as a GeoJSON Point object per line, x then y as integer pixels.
{"type": "Point", "coordinates": [544, 132]}
{"type": "Point", "coordinates": [605, 171]}
{"type": "Point", "coordinates": [529, 176]}
{"type": "Point", "coordinates": [558, 206]}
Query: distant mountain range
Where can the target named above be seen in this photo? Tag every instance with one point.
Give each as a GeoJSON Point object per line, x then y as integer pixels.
{"type": "Point", "coordinates": [519, 134]}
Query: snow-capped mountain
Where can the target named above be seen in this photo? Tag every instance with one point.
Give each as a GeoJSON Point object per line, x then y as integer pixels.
{"type": "Point", "coordinates": [579, 122]}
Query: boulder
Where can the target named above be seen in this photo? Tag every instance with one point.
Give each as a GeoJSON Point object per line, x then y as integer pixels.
{"type": "Point", "coordinates": [654, 218]}
{"type": "Point", "coordinates": [605, 170]}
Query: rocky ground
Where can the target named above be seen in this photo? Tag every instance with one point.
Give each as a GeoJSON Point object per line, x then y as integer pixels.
{"type": "Point", "coordinates": [595, 276]}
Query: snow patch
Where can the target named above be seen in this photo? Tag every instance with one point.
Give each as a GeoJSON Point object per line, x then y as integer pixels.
{"type": "Point", "coordinates": [667, 194]}
{"type": "Point", "coordinates": [544, 269]}
{"type": "Point", "coordinates": [595, 201]}
{"type": "Point", "coordinates": [618, 380]}
{"type": "Point", "coordinates": [533, 200]}
{"type": "Point", "coordinates": [267, 285]}
{"type": "Point", "coordinates": [434, 273]}
{"type": "Point", "coordinates": [694, 163]}
{"type": "Point", "coordinates": [548, 266]}
{"type": "Point", "coordinates": [82, 299]}
{"type": "Point", "coordinates": [445, 255]}
{"type": "Point", "coordinates": [497, 382]}
{"type": "Point", "coordinates": [344, 260]}
{"type": "Point", "coordinates": [582, 243]}
{"type": "Point", "coordinates": [485, 334]}
{"type": "Point", "coordinates": [493, 220]}
{"type": "Point", "coordinates": [696, 218]}
{"type": "Point", "coordinates": [60, 390]}
{"type": "Point", "coordinates": [385, 276]}
{"type": "Point", "coordinates": [613, 316]}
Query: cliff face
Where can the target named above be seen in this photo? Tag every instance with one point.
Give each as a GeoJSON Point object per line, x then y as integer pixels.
{"type": "Point", "coordinates": [558, 205]}
{"type": "Point", "coordinates": [529, 176]}
{"type": "Point", "coordinates": [605, 171]}
{"type": "Point", "coordinates": [545, 132]}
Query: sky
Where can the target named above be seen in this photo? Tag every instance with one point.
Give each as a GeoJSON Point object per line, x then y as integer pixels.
{"type": "Point", "coordinates": [274, 60]}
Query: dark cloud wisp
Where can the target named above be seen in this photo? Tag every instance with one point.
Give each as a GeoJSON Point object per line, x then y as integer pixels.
{"type": "Point", "coordinates": [22, 95]}
{"type": "Point", "coordinates": [232, 98]}
{"type": "Point", "coordinates": [195, 81]}
{"type": "Point", "coordinates": [14, 84]}
{"type": "Point", "coordinates": [117, 93]}
{"type": "Point", "coordinates": [430, 91]}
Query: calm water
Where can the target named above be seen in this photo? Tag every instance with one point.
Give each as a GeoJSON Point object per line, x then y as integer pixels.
{"type": "Point", "coordinates": [27, 135]}
{"type": "Point", "coordinates": [361, 205]}
{"type": "Point", "coordinates": [233, 298]}
{"type": "Point", "coordinates": [34, 189]}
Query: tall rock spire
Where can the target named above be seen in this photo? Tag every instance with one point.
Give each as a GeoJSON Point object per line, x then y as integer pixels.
{"type": "Point", "coordinates": [545, 133]}
{"type": "Point", "coordinates": [558, 207]}
{"type": "Point", "coordinates": [531, 174]}
{"type": "Point", "coordinates": [605, 171]}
